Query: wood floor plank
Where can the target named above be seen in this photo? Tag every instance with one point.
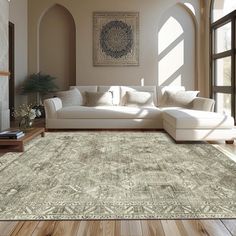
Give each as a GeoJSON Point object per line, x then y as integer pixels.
{"type": "Point", "coordinates": [230, 225]}
{"type": "Point", "coordinates": [170, 228]}
{"type": "Point", "coordinates": [95, 228]}
{"type": "Point", "coordinates": [125, 228]}
{"type": "Point", "coordinates": [214, 228]}
{"type": "Point", "coordinates": [117, 228]}
{"type": "Point", "coordinates": [17, 228]}
{"type": "Point", "coordinates": [152, 228]}
{"type": "Point", "coordinates": [135, 228]}
{"type": "Point", "coordinates": [109, 228]}
{"type": "Point", "coordinates": [27, 228]}
{"type": "Point", "coordinates": [7, 227]}
{"type": "Point", "coordinates": [83, 228]}
{"type": "Point", "coordinates": [194, 228]}
{"type": "Point", "coordinates": [63, 228]}
{"type": "Point", "coordinates": [44, 228]}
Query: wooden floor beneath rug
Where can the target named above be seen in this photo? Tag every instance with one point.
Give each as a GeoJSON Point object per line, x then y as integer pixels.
{"type": "Point", "coordinates": [124, 228]}
{"type": "Point", "coordinates": [117, 228]}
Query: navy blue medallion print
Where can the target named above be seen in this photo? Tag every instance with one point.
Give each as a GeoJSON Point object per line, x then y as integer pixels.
{"type": "Point", "coordinates": [116, 39]}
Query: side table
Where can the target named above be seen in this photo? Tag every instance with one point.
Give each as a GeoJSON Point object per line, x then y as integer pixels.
{"type": "Point", "coordinates": [17, 145]}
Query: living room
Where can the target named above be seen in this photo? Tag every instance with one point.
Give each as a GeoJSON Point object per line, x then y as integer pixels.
{"type": "Point", "coordinates": [117, 117]}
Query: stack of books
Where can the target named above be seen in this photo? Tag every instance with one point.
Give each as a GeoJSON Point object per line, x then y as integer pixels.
{"type": "Point", "coordinates": [12, 134]}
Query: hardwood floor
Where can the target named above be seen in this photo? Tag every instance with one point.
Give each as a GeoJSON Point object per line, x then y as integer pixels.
{"type": "Point", "coordinates": [117, 228]}
{"type": "Point", "coordinates": [125, 228]}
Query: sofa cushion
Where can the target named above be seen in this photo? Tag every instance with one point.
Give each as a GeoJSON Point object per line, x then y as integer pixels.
{"type": "Point", "coordinates": [115, 90]}
{"type": "Point", "coordinates": [71, 97]}
{"type": "Point", "coordinates": [108, 112]}
{"type": "Point", "coordinates": [98, 99]}
{"type": "Point", "coordinates": [192, 119]}
{"type": "Point", "coordinates": [178, 99]}
{"type": "Point", "coordinates": [84, 89]}
{"type": "Point", "coordinates": [148, 89]}
{"type": "Point", "coordinates": [161, 96]}
{"type": "Point", "coordinates": [139, 99]}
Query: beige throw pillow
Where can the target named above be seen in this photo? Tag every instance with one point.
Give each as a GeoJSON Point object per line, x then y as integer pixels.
{"type": "Point", "coordinates": [139, 99]}
{"type": "Point", "coordinates": [98, 99]}
{"type": "Point", "coordinates": [71, 97]}
{"type": "Point", "coordinates": [179, 99]}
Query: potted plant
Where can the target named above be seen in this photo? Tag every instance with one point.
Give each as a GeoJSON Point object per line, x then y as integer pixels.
{"type": "Point", "coordinates": [40, 85]}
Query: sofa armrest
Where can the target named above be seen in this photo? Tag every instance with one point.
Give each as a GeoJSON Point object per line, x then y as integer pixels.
{"type": "Point", "coordinates": [203, 104]}
{"type": "Point", "coordinates": [52, 105]}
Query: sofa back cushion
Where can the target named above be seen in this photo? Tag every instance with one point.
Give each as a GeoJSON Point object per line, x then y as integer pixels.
{"type": "Point", "coordinates": [71, 97]}
{"type": "Point", "coordinates": [98, 99]}
{"type": "Point", "coordinates": [115, 90]}
{"type": "Point", "coordinates": [179, 99]}
{"type": "Point", "coordinates": [139, 99]}
{"type": "Point", "coordinates": [161, 93]}
{"type": "Point", "coordinates": [149, 89]}
{"type": "Point", "coordinates": [84, 89]}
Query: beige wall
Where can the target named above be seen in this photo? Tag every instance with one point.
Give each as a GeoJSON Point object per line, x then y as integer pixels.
{"type": "Point", "coordinates": [151, 13]}
{"type": "Point", "coordinates": [4, 107]}
{"type": "Point", "coordinates": [19, 17]}
{"type": "Point", "coordinates": [57, 46]}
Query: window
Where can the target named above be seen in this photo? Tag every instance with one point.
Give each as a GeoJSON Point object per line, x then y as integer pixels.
{"type": "Point", "coordinates": [223, 55]}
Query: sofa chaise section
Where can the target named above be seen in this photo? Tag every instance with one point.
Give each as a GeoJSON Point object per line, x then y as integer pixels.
{"type": "Point", "coordinates": [193, 125]}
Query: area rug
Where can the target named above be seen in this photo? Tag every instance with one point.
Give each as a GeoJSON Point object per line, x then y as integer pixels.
{"type": "Point", "coordinates": [116, 175]}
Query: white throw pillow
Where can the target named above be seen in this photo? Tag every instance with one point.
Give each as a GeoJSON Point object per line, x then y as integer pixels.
{"type": "Point", "coordinates": [71, 97]}
{"type": "Point", "coordinates": [162, 96]}
{"type": "Point", "coordinates": [98, 99]}
{"type": "Point", "coordinates": [139, 99]}
{"type": "Point", "coordinates": [179, 99]}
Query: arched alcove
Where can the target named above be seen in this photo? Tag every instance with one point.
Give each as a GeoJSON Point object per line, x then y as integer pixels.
{"type": "Point", "coordinates": [177, 48]}
{"type": "Point", "coordinates": [57, 46]}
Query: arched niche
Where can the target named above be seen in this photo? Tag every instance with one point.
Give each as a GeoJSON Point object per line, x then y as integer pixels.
{"type": "Point", "coordinates": [177, 54]}
{"type": "Point", "coordinates": [57, 46]}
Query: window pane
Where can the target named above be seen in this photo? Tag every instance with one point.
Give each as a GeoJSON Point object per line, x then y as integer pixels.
{"type": "Point", "coordinates": [223, 103]}
{"type": "Point", "coordinates": [223, 38]}
{"type": "Point", "coordinates": [223, 71]}
{"type": "Point", "coordinates": [222, 7]}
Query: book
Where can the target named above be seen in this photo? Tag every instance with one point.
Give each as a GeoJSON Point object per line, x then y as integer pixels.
{"type": "Point", "coordinates": [12, 137]}
{"type": "Point", "coordinates": [11, 133]}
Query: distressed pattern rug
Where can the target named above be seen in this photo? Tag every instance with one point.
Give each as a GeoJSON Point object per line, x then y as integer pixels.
{"type": "Point", "coordinates": [116, 175]}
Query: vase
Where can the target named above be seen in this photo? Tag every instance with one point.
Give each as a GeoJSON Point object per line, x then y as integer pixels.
{"type": "Point", "coordinates": [26, 124]}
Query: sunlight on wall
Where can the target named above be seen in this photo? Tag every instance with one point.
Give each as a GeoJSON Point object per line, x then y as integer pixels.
{"type": "Point", "coordinates": [170, 66]}
{"type": "Point", "coordinates": [168, 34]}
{"type": "Point", "coordinates": [171, 61]}
{"type": "Point", "coordinates": [176, 49]}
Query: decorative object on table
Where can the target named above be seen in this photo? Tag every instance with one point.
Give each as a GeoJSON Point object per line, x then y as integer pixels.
{"type": "Point", "coordinates": [116, 39]}
{"type": "Point", "coordinates": [40, 85]}
{"type": "Point", "coordinates": [116, 175]}
{"type": "Point", "coordinates": [11, 134]}
{"type": "Point", "coordinates": [26, 115]}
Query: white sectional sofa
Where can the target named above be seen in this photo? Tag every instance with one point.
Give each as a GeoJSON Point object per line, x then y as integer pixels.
{"type": "Point", "coordinates": [195, 122]}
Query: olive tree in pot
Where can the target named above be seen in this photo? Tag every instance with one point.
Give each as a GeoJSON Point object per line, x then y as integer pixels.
{"type": "Point", "coordinates": [40, 85]}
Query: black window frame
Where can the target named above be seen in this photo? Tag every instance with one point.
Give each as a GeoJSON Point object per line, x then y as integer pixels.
{"type": "Point", "coordinates": [214, 89]}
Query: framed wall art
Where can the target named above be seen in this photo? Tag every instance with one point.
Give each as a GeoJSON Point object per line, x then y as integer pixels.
{"type": "Point", "coordinates": [116, 38]}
